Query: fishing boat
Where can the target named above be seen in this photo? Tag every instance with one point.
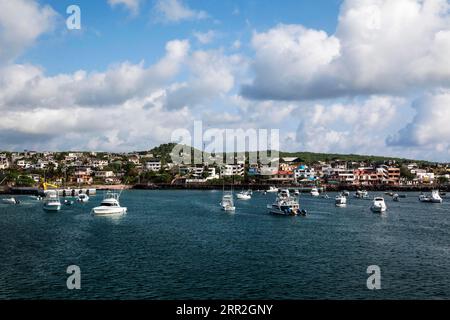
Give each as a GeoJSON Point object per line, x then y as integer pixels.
{"type": "Point", "coordinates": [244, 195]}
{"type": "Point", "coordinates": [361, 194]}
{"type": "Point", "coordinates": [286, 205]}
{"type": "Point", "coordinates": [315, 192]}
{"type": "Point", "coordinates": [378, 205]}
{"type": "Point", "coordinates": [51, 201]}
{"type": "Point", "coordinates": [110, 206]}
{"type": "Point", "coordinates": [83, 198]}
{"type": "Point", "coordinates": [340, 200]}
{"type": "Point", "coordinates": [272, 189]}
{"type": "Point", "coordinates": [11, 200]}
{"type": "Point", "coordinates": [227, 202]}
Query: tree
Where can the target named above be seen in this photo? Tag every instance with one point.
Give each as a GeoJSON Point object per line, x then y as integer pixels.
{"type": "Point", "coordinates": [442, 180]}
{"type": "Point", "coordinates": [405, 173]}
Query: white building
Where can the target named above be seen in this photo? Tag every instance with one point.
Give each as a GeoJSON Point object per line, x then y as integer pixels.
{"type": "Point", "coordinates": [153, 165]}
{"type": "Point", "coordinates": [233, 169]}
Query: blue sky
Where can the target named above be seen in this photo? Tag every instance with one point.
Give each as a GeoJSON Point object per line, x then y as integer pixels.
{"type": "Point", "coordinates": [342, 76]}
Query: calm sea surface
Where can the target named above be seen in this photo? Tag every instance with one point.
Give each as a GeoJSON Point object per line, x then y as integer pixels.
{"type": "Point", "coordinates": [180, 245]}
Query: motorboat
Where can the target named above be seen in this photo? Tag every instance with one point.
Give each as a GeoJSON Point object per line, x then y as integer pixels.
{"type": "Point", "coordinates": [396, 197]}
{"type": "Point", "coordinates": [83, 198]}
{"type": "Point", "coordinates": [378, 205]}
{"type": "Point", "coordinates": [435, 197]}
{"type": "Point", "coordinates": [272, 189]}
{"type": "Point", "coordinates": [315, 192]}
{"type": "Point", "coordinates": [11, 200]}
{"type": "Point", "coordinates": [345, 193]}
{"type": "Point", "coordinates": [227, 202]}
{"type": "Point", "coordinates": [68, 202]}
{"type": "Point", "coordinates": [51, 201]}
{"type": "Point", "coordinates": [110, 206]}
{"type": "Point", "coordinates": [244, 195]}
{"type": "Point", "coordinates": [361, 194]}
{"type": "Point", "coordinates": [340, 200]}
{"type": "Point", "coordinates": [286, 205]}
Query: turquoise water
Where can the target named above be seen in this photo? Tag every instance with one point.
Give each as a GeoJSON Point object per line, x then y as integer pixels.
{"type": "Point", "coordinates": [180, 245]}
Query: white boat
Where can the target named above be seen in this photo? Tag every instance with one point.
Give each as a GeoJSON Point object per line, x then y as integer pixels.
{"type": "Point", "coordinates": [272, 189]}
{"type": "Point", "coordinates": [285, 205]}
{"type": "Point", "coordinates": [315, 192]}
{"type": "Point", "coordinates": [83, 198]}
{"type": "Point", "coordinates": [340, 200]}
{"type": "Point", "coordinates": [51, 201]}
{"type": "Point", "coordinates": [244, 195]}
{"type": "Point", "coordinates": [434, 198]}
{"type": "Point", "coordinates": [361, 194]}
{"type": "Point", "coordinates": [378, 205]}
{"type": "Point", "coordinates": [110, 205]}
{"type": "Point", "coordinates": [227, 203]}
{"type": "Point", "coordinates": [11, 200]}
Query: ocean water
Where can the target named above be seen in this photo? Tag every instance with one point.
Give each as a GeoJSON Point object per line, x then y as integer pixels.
{"type": "Point", "coordinates": [180, 245]}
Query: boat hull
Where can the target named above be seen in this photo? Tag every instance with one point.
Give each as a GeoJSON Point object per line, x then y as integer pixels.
{"type": "Point", "coordinates": [52, 208]}
{"type": "Point", "coordinates": [102, 211]}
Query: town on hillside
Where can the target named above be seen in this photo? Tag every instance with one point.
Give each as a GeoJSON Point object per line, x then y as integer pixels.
{"type": "Point", "coordinates": [32, 169]}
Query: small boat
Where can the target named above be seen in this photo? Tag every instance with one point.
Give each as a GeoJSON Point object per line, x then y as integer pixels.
{"type": "Point", "coordinates": [286, 205]}
{"type": "Point", "coordinates": [361, 194]}
{"type": "Point", "coordinates": [315, 192]}
{"type": "Point", "coordinates": [244, 195]}
{"type": "Point", "coordinates": [326, 196]}
{"type": "Point", "coordinates": [83, 198]}
{"type": "Point", "coordinates": [378, 205]}
{"type": "Point", "coordinates": [11, 200]}
{"type": "Point", "coordinates": [227, 203]}
{"type": "Point", "coordinates": [435, 197]}
{"type": "Point", "coordinates": [272, 189]}
{"type": "Point", "coordinates": [345, 193]}
{"type": "Point", "coordinates": [110, 205]}
{"type": "Point", "coordinates": [340, 200]}
{"type": "Point", "coordinates": [51, 201]}
{"type": "Point", "coordinates": [68, 202]}
{"type": "Point", "coordinates": [396, 197]}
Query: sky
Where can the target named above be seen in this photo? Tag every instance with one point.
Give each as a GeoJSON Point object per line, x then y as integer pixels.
{"type": "Point", "coordinates": [337, 76]}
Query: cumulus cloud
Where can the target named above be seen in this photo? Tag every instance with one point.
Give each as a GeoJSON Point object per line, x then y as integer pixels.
{"type": "Point", "coordinates": [21, 23]}
{"type": "Point", "coordinates": [348, 127]}
{"type": "Point", "coordinates": [131, 5]}
{"type": "Point", "coordinates": [379, 47]}
{"type": "Point", "coordinates": [212, 74]}
{"type": "Point", "coordinates": [27, 86]}
{"type": "Point", "coordinates": [430, 127]}
{"type": "Point", "coordinates": [177, 11]}
{"type": "Point", "coordinates": [205, 37]}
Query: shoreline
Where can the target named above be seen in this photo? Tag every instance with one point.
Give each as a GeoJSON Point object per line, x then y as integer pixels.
{"type": "Point", "coordinates": [254, 187]}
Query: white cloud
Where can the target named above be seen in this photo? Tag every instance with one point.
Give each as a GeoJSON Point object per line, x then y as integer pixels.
{"type": "Point", "coordinates": [430, 127]}
{"type": "Point", "coordinates": [380, 47]}
{"type": "Point", "coordinates": [358, 127]}
{"type": "Point", "coordinates": [212, 75]}
{"type": "Point", "coordinates": [131, 5]}
{"type": "Point", "coordinates": [205, 37]}
{"type": "Point", "coordinates": [26, 86]}
{"type": "Point", "coordinates": [21, 23]}
{"type": "Point", "coordinates": [176, 11]}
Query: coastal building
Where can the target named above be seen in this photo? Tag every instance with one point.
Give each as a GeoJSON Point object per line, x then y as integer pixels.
{"type": "Point", "coordinates": [304, 172]}
{"type": "Point", "coordinates": [233, 169]}
{"type": "Point", "coordinates": [153, 165]}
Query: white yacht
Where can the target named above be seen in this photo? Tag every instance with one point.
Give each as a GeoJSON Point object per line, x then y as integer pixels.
{"type": "Point", "coordinates": [272, 189]}
{"type": "Point", "coordinates": [11, 200]}
{"type": "Point", "coordinates": [244, 195]}
{"type": "Point", "coordinates": [285, 205]}
{"type": "Point", "coordinates": [83, 198]}
{"type": "Point", "coordinates": [110, 205]}
{"type": "Point", "coordinates": [227, 203]}
{"type": "Point", "coordinates": [340, 200]}
{"type": "Point", "coordinates": [51, 201]}
{"type": "Point", "coordinates": [434, 198]}
{"type": "Point", "coordinates": [378, 205]}
{"type": "Point", "coordinates": [315, 192]}
{"type": "Point", "coordinates": [361, 194]}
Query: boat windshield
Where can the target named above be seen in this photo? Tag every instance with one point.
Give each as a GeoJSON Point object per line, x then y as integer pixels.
{"type": "Point", "coordinates": [108, 204]}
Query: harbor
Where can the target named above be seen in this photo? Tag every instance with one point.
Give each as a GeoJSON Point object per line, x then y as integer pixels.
{"type": "Point", "coordinates": [180, 244]}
